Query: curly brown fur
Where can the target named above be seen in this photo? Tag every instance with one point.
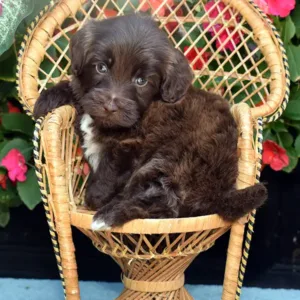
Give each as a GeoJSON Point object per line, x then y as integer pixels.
{"type": "Point", "coordinates": [158, 150]}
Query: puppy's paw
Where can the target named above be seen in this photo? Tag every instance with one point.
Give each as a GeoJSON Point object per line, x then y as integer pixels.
{"type": "Point", "coordinates": [99, 225]}
{"type": "Point", "coordinates": [99, 222]}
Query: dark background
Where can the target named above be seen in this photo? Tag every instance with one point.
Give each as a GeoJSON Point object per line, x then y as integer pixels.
{"type": "Point", "coordinates": [26, 250]}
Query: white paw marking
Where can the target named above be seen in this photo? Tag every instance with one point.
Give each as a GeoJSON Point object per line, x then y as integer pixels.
{"type": "Point", "coordinates": [92, 149]}
{"type": "Point", "coordinates": [99, 225]}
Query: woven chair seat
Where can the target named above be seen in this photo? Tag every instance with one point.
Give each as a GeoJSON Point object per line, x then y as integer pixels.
{"type": "Point", "coordinates": [234, 51]}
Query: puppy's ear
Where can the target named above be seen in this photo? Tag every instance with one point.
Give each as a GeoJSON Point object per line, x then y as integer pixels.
{"type": "Point", "coordinates": [79, 45]}
{"type": "Point", "coordinates": [177, 78]}
{"type": "Point", "coordinates": [77, 53]}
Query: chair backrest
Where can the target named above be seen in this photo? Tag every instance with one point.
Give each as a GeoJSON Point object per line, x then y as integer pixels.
{"type": "Point", "coordinates": [232, 47]}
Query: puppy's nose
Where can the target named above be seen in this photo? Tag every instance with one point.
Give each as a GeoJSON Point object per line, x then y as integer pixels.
{"type": "Point", "coordinates": [110, 106]}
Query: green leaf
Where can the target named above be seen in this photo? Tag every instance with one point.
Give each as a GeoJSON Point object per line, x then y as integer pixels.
{"type": "Point", "coordinates": [194, 35]}
{"type": "Point", "coordinates": [7, 89]}
{"type": "Point", "coordinates": [13, 13]}
{"type": "Point", "coordinates": [278, 126]}
{"type": "Point", "coordinates": [9, 197]}
{"type": "Point", "coordinates": [295, 15]}
{"type": "Point", "coordinates": [29, 191]}
{"type": "Point", "coordinates": [293, 54]}
{"type": "Point", "coordinates": [47, 65]}
{"type": "Point", "coordinates": [292, 110]}
{"type": "Point", "coordinates": [291, 152]}
{"type": "Point", "coordinates": [8, 66]}
{"type": "Point", "coordinates": [4, 215]}
{"type": "Point", "coordinates": [63, 43]}
{"type": "Point", "coordinates": [23, 146]}
{"type": "Point", "coordinates": [297, 145]}
{"type": "Point", "coordinates": [18, 122]}
{"type": "Point", "coordinates": [294, 124]}
{"type": "Point", "coordinates": [285, 139]}
{"type": "Point", "coordinates": [295, 92]}
{"type": "Point", "coordinates": [268, 135]}
{"type": "Point", "coordinates": [288, 29]}
{"type": "Point", "coordinates": [129, 6]}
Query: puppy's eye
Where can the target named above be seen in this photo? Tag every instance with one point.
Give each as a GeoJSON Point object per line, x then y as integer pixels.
{"type": "Point", "coordinates": [141, 81]}
{"type": "Point", "coordinates": [101, 68]}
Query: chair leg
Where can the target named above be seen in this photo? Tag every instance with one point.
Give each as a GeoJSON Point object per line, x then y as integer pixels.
{"type": "Point", "coordinates": [67, 252]}
{"type": "Point", "coordinates": [58, 218]}
{"type": "Point", "coordinates": [234, 254]}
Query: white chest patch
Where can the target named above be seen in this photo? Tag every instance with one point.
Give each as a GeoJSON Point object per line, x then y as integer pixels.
{"type": "Point", "coordinates": [91, 148]}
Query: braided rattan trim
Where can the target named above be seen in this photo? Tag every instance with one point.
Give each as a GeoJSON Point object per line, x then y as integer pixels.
{"type": "Point", "coordinates": [38, 171]}
{"type": "Point", "coordinates": [250, 225]}
{"type": "Point", "coordinates": [285, 64]}
{"type": "Point", "coordinates": [153, 286]}
{"type": "Point", "coordinates": [23, 49]}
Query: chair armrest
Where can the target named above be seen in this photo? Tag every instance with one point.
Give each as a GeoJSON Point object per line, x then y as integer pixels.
{"type": "Point", "coordinates": [246, 145]}
{"type": "Point", "coordinates": [56, 140]}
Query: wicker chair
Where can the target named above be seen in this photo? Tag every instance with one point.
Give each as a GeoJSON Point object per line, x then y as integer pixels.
{"type": "Point", "coordinates": [246, 64]}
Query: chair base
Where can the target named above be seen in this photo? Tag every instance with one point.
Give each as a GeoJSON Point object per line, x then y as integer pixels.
{"type": "Point", "coordinates": [180, 294]}
{"type": "Point", "coordinates": [154, 279]}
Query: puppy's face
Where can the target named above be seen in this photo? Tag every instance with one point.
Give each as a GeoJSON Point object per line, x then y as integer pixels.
{"type": "Point", "coordinates": [121, 65]}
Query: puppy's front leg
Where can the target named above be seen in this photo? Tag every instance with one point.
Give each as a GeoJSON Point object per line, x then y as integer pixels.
{"type": "Point", "coordinates": [113, 172]}
{"type": "Point", "coordinates": [56, 96]}
{"type": "Point", "coordinates": [149, 194]}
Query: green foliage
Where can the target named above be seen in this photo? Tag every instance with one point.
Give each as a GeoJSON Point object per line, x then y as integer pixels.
{"type": "Point", "coordinates": [29, 190]}
{"type": "Point", "coordinates": [16, 128]}
{"type": "Point", "coordinates": [18, 123]}
{"type": "Point", "coordinates": [293, 54]}
{"type": "Point", "coordinates": [286, 131]}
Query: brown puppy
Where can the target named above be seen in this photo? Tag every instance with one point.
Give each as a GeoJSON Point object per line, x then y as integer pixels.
{"type": "Point", "coordinates": [157, 147]}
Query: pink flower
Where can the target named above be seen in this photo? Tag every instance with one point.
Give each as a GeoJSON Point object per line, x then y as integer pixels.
{"type": "Point", "coordinates": [223, 34]}
{"type": "Point", "coordinates": [219, 30]}
{"type": "Point", "coordinates": [214, 12]}
{"type": "Point", "coordinates": [280, 8]}
{"type": "Point", "coordinates": [155, 4]}
{"type": "Point", "coordinates": [86, 168]}
{"type": "Point", "coordinates": [274, 155]}
{"type": "Point", "coordinates": [14, 162]}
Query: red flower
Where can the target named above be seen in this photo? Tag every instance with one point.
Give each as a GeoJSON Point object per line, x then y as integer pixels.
{"type": "Point", "coordinates": [110, 13]}
{"type": "Point", "coordinates": [155, 4]}
{"type": "Point", "coordinates": [192, 54]}
{"type": "Point", "coordinates": [173, 24]}
{"type": "Point", "coordinates": [274, 155]}
{"type": "Point", "coordinates": [86, 168]}
{"type": "Point", "coordinates": [223, 35]}
{"type": "Point", "coordinates": [79, 151]}
{"type": "Point", "coordinates": [14, 162]}
{"type": "Point", "coordinates": [3, 179]}
{"type": "Point", "coordinates": [12, 108]}
{"type": "Point", "coordinates": [215, 10]}
{"type": "Point", "coordinates": [280, 8]}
